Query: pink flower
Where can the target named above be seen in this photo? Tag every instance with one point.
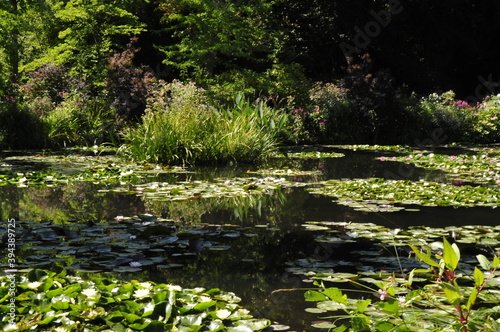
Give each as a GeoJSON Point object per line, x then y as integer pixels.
{"type": "Point", "coordinates": [382, 295]}
{"type": "Point", "coordinates": [382, 158]}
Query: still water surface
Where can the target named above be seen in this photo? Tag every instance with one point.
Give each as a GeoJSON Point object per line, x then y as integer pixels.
{"type": "Point", "coordinates": [257, 237]}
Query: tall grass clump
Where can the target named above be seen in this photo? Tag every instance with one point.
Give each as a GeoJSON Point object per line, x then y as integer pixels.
{"type": "Point", "coordinates": [181, 127]}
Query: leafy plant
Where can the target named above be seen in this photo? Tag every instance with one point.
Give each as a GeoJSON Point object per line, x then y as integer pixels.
{"type": "Point", "coordinates": [60, 302]}
{"type": "Point", "coordinates": [180, 126]}
{"type": "Point", "coordinates": [81, 119]}
{"type": "Point", "coordinates": [445, 301]}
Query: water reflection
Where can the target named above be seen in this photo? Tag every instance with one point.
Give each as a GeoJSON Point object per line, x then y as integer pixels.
{"type": "Point", "coordinates": [254, 262]}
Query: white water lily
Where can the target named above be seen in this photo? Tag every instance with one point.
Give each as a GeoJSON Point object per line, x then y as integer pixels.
{"type": "Point", "coordinates": [223, 313]}
{"type": "Point", "coordinates": [34, 285]}
{"type": "Point", "coordinates": [147, 285]}
{"type": "Point", "coordinates": [174, 288]}
{"type": "Point", "coordinates": [135, 264]}
{"type": "Point", "coordinates": [91, 293]}
{"type": "Point", "coordinates": [149, 307]}
{"type": "Point", "coordinates": [141, 293]}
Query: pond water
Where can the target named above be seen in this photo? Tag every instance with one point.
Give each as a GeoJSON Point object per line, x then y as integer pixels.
{"type": "Point", "coordinates": [249, 244]}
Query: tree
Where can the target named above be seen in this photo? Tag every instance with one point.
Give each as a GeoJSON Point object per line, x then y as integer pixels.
{"type": "Point", "coordinates": [87, 34]}
{"type": "Point", "coordinates": [213, 36]}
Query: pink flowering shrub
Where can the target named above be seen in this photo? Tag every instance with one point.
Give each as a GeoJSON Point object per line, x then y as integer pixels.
{"type": "Point", "coordinates": [486, 127]}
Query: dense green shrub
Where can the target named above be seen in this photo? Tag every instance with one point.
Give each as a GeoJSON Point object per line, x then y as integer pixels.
{"type": "Point", "coordinates": [486, 127]}
{"type": "Point", "coordinates": [180, 126]}
{"type": "Point", "coordinates": [81, 119]}
{"type": "Point", "coordinates": [453, 117]}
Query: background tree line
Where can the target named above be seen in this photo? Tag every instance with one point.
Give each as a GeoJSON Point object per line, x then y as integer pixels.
{"type": "Point", "coordinates": [99, 58]}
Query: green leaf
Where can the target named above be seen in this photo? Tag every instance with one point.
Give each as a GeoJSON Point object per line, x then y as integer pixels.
{"type": "Point", "coordinates": [335, 294]}
{"type": "Point", "coordinates": [315, 296]}
{"type": "Point", "coordinates": [254, 324]}
{"type": "Point", "coordinates": [140, 326]}
{"type": "Point", "coordinates": [390, 307]}
{"type": "Point", "coordinates": [496, 261]}
{"type": "Point", "coordinates": [478, 277]}
{"type": "Point", "coordinates": [385, 326]}
{"type": "Point", "coordinates": [472, 299]}
{"type": "Point", "coordinates": [204, 305]}
{"type": "Point", "coordinates": [362, 305]}
{"type": "Point", "coordinates": [131, 318]}
{"type": "Point", "coordinates": [50, 294]}
{"type": "Point", "coordinates": [424, 257]}
{"type": "Point", "coordinates": [37, 275]}
{"type": "Point", "coordinates": [240, 328]}
{"type": "Point", "coordinates": [452, 294]}
{"type": "Point", "coordinates": [62, 305]}
{"type": "Point", "coordinates": [484, 262]}
{"type": "Point", "coordinates": [451, 255]}
{"type": "Point", "coordinates": [360, 323]}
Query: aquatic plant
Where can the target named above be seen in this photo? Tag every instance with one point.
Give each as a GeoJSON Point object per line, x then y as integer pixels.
{"type": "Point", "coordinates": [377, 194]}
{"type": "Point", "coordinates": [181, 127]}
{"type": "Point", "coordinates": [437, 298]}
{"type": "Point", "coordinates": [480, 167]}
{"type": "Point", "coordinates": [47, 301]}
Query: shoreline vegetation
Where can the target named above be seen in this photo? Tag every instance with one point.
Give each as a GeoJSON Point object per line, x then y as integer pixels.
{"type": "Point", "coordinates": [182, 125]}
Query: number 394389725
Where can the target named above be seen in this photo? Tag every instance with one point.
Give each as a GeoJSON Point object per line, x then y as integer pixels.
{"type": "Point", "coordinates": [11, 246]}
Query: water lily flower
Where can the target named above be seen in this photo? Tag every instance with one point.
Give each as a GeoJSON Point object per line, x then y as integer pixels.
{"type": "Point", "coordinates": [141, 293]}
{"type": "Point", "coordinates": [91, 293]}
{"type": "Point", "coordinates": [34, 285]}
{"type": "Point", "coordinates": [174, 288]}
{"type": "Point", "coordinates": [147, 285]}
{"type": "Point", "coordinates": [135, 264]}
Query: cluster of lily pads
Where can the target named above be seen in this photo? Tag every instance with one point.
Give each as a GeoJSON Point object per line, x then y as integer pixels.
{"type": "Point", "coordinates": [313, 155]}
{"type": "Point", "coordinates": [127, 245]}
{"type": "Point", "coordinates": [47, 301]}
{"type": "Point", "coordinates": [391, 287]}
{"type": "Point", "coordinates": [385, 195]}
{"type": "Point", "coordinates": [375, 147]}
{"type": "Point", "coordinates": [219, 187]}
{"type": "Point", "coordinates": [73, 168]}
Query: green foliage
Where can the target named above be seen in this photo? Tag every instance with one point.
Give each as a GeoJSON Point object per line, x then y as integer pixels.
{"type": "Point", "coordinates": [215, 36]}
{"type": "Point", "coordinates": [186, 129]}
{"type": "Point", "coordinates": [80, 119]}
{"type": "Point", "coordinates": [271, 120]}
{"type": "Point", "coordinates": [486, 126]}
{"type": "Point", "coordinates": [59, 302]}
{"type": "Point", "coordinates": [86, 33]}
{"type": "Point", "coordinates": [393, 195]}
{"type": "Point", "coordinates": [441, 303]}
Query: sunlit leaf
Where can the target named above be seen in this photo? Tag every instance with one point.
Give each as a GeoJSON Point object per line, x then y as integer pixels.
{"type": "Point", "coordinates": [452, 293]}
{"type": "Point", "coordinates": [451, 255]}
{"type": "Point", "coordinates": [484, 262]}
{"type": "Point", "coordinates": [478, 277]}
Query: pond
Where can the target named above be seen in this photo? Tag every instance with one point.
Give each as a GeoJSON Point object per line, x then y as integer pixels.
{"type": "Point", "coordinates": [256, 230]}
